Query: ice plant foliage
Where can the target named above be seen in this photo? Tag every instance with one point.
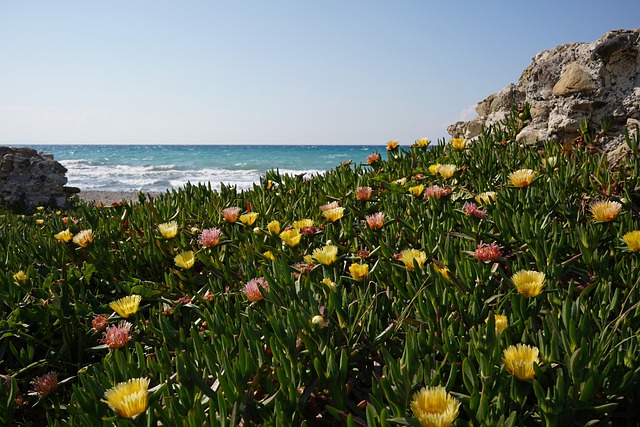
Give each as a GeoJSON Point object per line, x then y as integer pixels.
{"type": "Point", "coordinates": [434, 407]}
{"type": "Point", "coordinates": [632, 239]}
{"type": "Point", "coordinates": [210, 237]}
{"type": "Point", "coordinates": [129, 398]}
{"type": "Point", "coordinates": [605, 211]}
{"type": "Point", "coordinates": [519, 360]}
{"type": "Point", "coordinates": [528, 282]}
{"type": "Point", "coordinates": [168, 229]}
{"type": "Point", "coordinates": [126, 306]}
{"type": "Point", "coordinates": [522, 177]}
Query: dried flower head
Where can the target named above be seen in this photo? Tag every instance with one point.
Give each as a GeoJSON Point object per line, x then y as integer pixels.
{"type": "Point", "coordinates": [487, 252]}
{"type": "Point", "coordinates": [45, 385]}
{"type": "Point", "coordinates": [117, 336]}
{"type": "Point", "coordinates": [185, 260]}
{"type": "Point", "coordinates": [392, 145]}
{"type": "Point", "coordinates": [291, 236]}
{"type": "Point", "coordinates": [129, 398]}
{"type": "Point", "coordinates": [471, 209]}
{"type": "Point", "coordinates": [83, 238]}
{"type": "Point", "coordinates": [364, 193]}
{"type": "Point", "coordinates": [249, 218]}
{"type": "Point", "coordinates": [632, 239]}
{"type": "Point", "coordinates": [434, 407]}
{"type": "Point", "coordinates": [359, 271]}
{"type": "Point", "coordinates": [459, 143]}
{"type": "Point", "coordinates": [252, 288]}
{"type": "Point", "coordinates": [519, 360]}
{"type": "Point", "coordinates": [500, 321]}
{"type": "Point", "coordinates": [411, 256]}
{"type": "Point", "coordinates": [522, 177]}
{"type": "Point", "coordinates": [63, 236]}
{"type": "Point", "coordinates": [326, 255]}
{"type": "Point", "coordinates": [231, 214]}
{"type": "Point", "coordinates": [99, 323]}
{"type": "Point", "coordinates": [528, 282]}
{"type": "Point", "coordinates": [447, 171]}
{"type": "Point", "coordinates": [334, 214]}
{"type": "Point", "coordinates": [375, 221]}
{"type": "Point", "coordinates": [168, 229]}
{"type": "Point", "coordinates": [605, 211]}
{"type": "Point", "coordinates": [210, 237]}
{"type": "Point", "coordinates": [126, 306]}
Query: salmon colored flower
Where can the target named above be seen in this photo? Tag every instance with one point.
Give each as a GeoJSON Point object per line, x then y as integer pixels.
{"type": "Point", "coordinates": [500, 321]}
{"type": "Point", "coordinates": [373, 158]}
{"type": "Point", "coordinates": [632, 239]}
{"type": "Point", "coordinates": [519, 360]}
{"type": "Point", "coordinates": [291, 236]}
{"type": "Point", "coordinates": [416, 190]}
{"type": "Point", "coordinates": [168, 229]}
{"type": "Point", "coordinates": [411, 256]}
{"type": "Point", "coordinates": [99, 323]}
{"type": "Point", "coordinates": [522, 177]}
{"type": "Point", "coordinates": [375, 221]}
{"type": "Point", "coordinates": [231, 214]}
{"type": "Point", "coordinates": [334, 214]}
{"type": "Point", "coordinates": [486, 198]}
{"type": "Point", "coordinates": [364, 193]}
{"type": "Point", "coordinates": [459, 143]}
{"type": "Point", "coordinates": [434, 168]}
{"type": "Point", "coordinates": [359, 271]}
{"type": "Point", "coordinates": [392, 145]}
{"type": "Point", "coordinates": [326, 255]}
{"type": "Point", "coordinates": [249, 218]}
{"type": "Point", "coordinates": [329, 206]}
{"type": "Point", "coordinates": [185, 260]}
{"type": "Point", "coordinates": [436, 191]}
{"type": "Point", "coordinates": [45, 385]}
{"type": "Point", "coordinates": [447, 171]}
{"type": "Point", "coordinates": [63, 236]}
{"type": "Point", "coordinates": [117, 336]}
{"type": "Point", "coordinates": [210, 237]}
{"type": "Point", "coordinates": [486, 252]}
{"type": "Point", "coordinates": [434, 407]}
{"type": "Point", "coordinates": [126, 306]}
{"type": "Point", "coordinates": [528, 282]}
{"type": "Point", "coordinates": [274, 227]}
{"type": "Point", "coordinates": [422, 142]}
{"type": "Point", "coordinates": [83, 238]}
{"type": "Point", "coordinates": [252, 288]}
{"type": "Point", "coordinates": [129, 398]}
{"type": "Point", "coordinates": [605, 211]}
{"type": "Point", "coordinates": [471, 209]}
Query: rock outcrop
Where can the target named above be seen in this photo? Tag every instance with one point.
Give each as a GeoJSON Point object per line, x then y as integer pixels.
{"type": "Point", "coordinates": [29, 178]}
{"type": "Point", "coordinates": [597, 81]}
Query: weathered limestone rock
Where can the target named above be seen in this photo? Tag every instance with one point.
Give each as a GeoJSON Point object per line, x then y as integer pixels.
{"type": "Point", "coordinates": [598, 81]}
{"type": "Point", "coordinates": [31, 178]}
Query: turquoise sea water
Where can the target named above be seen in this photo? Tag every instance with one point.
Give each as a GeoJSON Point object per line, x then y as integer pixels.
{"type": "Point", "coordinates": [162, 167]}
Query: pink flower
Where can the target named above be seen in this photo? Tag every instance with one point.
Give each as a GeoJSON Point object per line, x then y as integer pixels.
{"type": "Point", "coordinates": [471, 209]}
{"type": "Point", "coordinates": [375, 221]}
{"type": "Point", "coordinates": [45, 385]}
{"type": "Point", "coordinates": [436, 191]}
{"type": "Point", "coordinates": [252, 288]}
{"type": "Point", "coordinates": [117, 336]}
{"type": "Point", "coordinates": [210, 237]}
{"type": "Point", "coordinates": [487, 252]}
{"type": "Point", "coordinates": [231, 214]}
{"type": "Point", "coordinates": [99, 323]}
{"type": "Point", "coordinates": [373, 158]}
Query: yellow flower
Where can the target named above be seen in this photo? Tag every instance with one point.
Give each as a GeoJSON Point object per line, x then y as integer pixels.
{"type": "Point", "coordinates": [20, 277]}
{"type": "Point", "coordinates": [329, 283]}
{"type": "Point", "coordinates": [185, 260]}
{"type": "Point", "coordinates": [334, 214]}
{"type": "Point", "coordinates": [291, 237]}
{"type": "Point", "coordinates": [269, 255]}
{"type": "Point", "coordinates": [249, 218]}
{"type": "Point", "coordinates": [326, 255]}
{"type": "Point", "coordinates": [319, 321]}
{"type": "Point", "coordinates": [444, 270]}
{"type": "Point", "coordinates": [127, 305]}
{"type": "Point", "coordinates": [274, 226]}
{"type": "Point", "coordinates": [392, 145]}
{"type": "Point", "coordinates": [519, 360]}
{"type": "Point", "coordinates": [486, 198]}
{"type": "Point", "coordinates": [303, 223]}
{"type": "Point", "coordinates": [632, 239]}
{"type": "Point", "coordinates": [528, 282]}
{"type": "Point", "coordinates": [329, 206]}
{"type": "Point", "coordinates": [83, 238]}
{"type": "Point", "coordinates": [501, 322]}
{"type": "Point", "coordinates": [447, 171]}
{"type": "Point", "coordinates": [39, 221]}
{"type": "Point", "coordinates": [358, 271]}
{"type": "Point", "coordinates": [416, 190]}
{"type": "Point", "coordinates": [434, 407]}
{"type": "Point", "coordinates": [129, 398]}
{"type": "Point", "coordinates": [434, 168]}
{"type": "Point", "coordinates": [308, 259]}
{"type": "Point", "coordinates": [459, 143]}
{"type": "Point", "coordinates": [168, 229]}
{"type": "Point", "coordinates": [63, 236]}
{"type": "Point", "coordinates": [422, 142]}
{"type": "Point", "coordinates": [408, 256]}
{"type": "Point", "coordinates": [401, 181]}
{"type": "Point", "coordinates": [40, 208]}
{"type": "Point", "coordinates": [605, 211]}
{"type": "Point", "coordinates": [522, 177]}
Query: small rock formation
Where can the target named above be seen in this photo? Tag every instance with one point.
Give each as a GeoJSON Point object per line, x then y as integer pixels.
{"type": "Point", "coordinates": [29, 179]}
{"type": "Point", "coordinates": [597, 81]}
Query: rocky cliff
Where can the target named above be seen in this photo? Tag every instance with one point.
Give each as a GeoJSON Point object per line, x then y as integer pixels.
{"type": "Point", "coordinates": [596, 83]}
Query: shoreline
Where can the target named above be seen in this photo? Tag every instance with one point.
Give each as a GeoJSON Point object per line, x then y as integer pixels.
{"type": "Point", "coordinates": [109, 197]}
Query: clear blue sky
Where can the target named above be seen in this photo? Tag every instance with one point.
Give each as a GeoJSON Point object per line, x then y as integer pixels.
{"type": "Point", "coordinates": [270, 72]}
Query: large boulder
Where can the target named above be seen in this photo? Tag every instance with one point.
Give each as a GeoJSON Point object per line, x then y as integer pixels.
{"type": "Point", "coordinates": [29, 178]}
{"type": "Point", "coordinates": [597, 81]}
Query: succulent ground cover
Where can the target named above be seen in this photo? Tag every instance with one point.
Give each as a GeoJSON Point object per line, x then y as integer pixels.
{"type": "Point", "coordinates": [476, 284]}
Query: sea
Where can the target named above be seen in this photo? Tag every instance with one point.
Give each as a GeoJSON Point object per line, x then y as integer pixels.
{"type": "Point", "coordinates": [158, 168]}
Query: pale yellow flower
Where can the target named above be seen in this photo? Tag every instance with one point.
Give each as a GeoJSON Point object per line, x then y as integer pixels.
{"type": "Point", "coordinates": [632, 239]}
{"type": "Point", "coordinates": [500, 321]}
{"type": "Point", "coordinates": [63, 236]}
{"type": "Point", "coordinates": [392, 145]}
{"type": "Point", "coordinates": [39, 221]}
{"type": "Point", "coordinates": [434, 407]}
{"type": "Point", "coordinates": [185, 260]}
{"type": "Point", "coordinates": [168, 229]}
{"type": "Point", "coordinates": [359, 271]}
{"type": "Point", "coordinates": [249, 218]}
{"type": "Point", "coordinates": [329, 206]}
{"type": "Point", "coordinates": [605, 211]}
{"type": "Point", "coordinates": [274, 226]}
{"type": "Point", "coordinates": [408, 256]}
{"type": "Point", "coordinates": [40, 208]}
{"type": "Point", "coordinates": [326, 255]}
{"type": "Point", "coordinates": [550, 161]}
{"type": "Point", "coordinates": [528, 282]}
{"type": "Point", "coordinates": [83, 238]}
{"type": "Point", "coordinates": [447, 171]}
{"type": "Point", "coordinates": [422, 142]}
{"type": "Point", "coordinates": [401, 181]}
{"type": "Point", "coordinates": [486, 198]}
{"type": "Point", "coordinates": [291, 237]}
{"type": "Point", "coordinates": [459, 143]}
{"type": "Point", "coordinates": [434, 168]}
{"type": "Point", "coordinates": [127, 305]}
{"type": "Point", "coordinates": [331, 284]}
{"type": "Point", "coordinates": [20, 277]}
{"type": "Point", "coordinates": [319, 321]}
{"type": "Point", "coordinates": [129, 398]}
{"type": "Point", "coordinates": [519, 360]}
{"type": "Point", "coordinates": [303, 223]}
{"type": "Point", "coordinates": [334, 214]}
{"type": "Point", "coordinates": [416, 190]}
{"type": "Point", "coordinates": [522, 177]}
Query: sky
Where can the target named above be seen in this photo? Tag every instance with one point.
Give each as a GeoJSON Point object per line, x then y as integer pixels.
{"type": "Point", "coordinates": [270, 72]}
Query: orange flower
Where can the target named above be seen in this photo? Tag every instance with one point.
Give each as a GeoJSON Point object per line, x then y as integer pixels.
{"type": "Point", "coordinates": [375, 221]}
{"type": "Point", "coordinates": [392, 145]}
{"type": "Point", "coordinates": [364, 193]}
